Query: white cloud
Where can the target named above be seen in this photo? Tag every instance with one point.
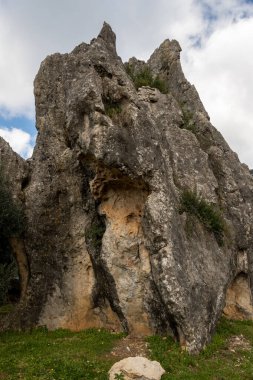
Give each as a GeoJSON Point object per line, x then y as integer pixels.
{"type": "Point", "coordinates": [16, 93]}
{"type": "Point", "coordinates": [222, 72]}
{"type": "Point", "coordinates": [20, 141]}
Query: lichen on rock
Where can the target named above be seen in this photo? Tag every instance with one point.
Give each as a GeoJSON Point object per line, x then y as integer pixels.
{"type": "Point", "coordinates": [106, 242]}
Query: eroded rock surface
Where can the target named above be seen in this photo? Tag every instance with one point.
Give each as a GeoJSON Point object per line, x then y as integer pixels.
{"type": "Point", "coordinates": [106, 243]}
{"type": "Point", "coordinates": [137, 368]}
{"type": "Point", "coordinates": [15, 172]}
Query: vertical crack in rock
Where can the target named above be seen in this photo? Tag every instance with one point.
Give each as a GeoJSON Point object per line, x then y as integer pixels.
{"type": "Point", "coordinates": [162, 321]}
{"type": "Point", "coordinates": [19, 252]}
{"type": "Point", "coordinates": [104, 288]}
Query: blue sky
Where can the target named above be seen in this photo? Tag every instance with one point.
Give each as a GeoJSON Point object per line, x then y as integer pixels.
{"type": "Point", "coordinates": [22, 122]}
{"type": "Point", "coordinates": [216, 37]}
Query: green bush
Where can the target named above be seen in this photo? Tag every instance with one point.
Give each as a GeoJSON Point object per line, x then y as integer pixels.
{"type": "Point", "coordinates": [188, 122]}
{"type": "Point", "coordinates": [8, 272]}
{"type": "Point", "coordinates": [94, 234]}
{"type": "Point", "coordinates": [11, 216]}
{"type": "Point", "coordinates": [144, 78]}
{"type": "Point", "coordinates": [11, 225]}
{"type": "Point", "coordinates": [112, 108]}
{"type": "Point", "coordinates": [206, 213]}
{"type": "Point", "coordinates": [160, 85]}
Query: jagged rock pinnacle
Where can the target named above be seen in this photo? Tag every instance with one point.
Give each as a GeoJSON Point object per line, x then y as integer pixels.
{"type": "Point", "coordinates": [108, 36]}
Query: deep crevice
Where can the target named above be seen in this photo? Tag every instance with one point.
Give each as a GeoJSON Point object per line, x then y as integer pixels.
{"type": "Point", "coordinates": [164, 322]}
{"type": "Point", "coordinates": [102, 71]}
{"type": "Point", "coordinates": [10, 280]}
{"type": "Point", "coordinates": [105, 287]}
{"type": "Point", "coordinates": [16, 272]}
{"type": "Point", "coordinates": [25, 182]}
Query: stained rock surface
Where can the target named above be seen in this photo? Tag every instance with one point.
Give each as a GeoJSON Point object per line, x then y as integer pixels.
{"type": "Point", "coordinates": [106, 242]}
{"type": "Point", "coordinates": [138, 368]}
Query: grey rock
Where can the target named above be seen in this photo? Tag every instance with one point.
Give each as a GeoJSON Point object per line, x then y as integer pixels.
{"type": "Point", "coordinates": [105, 241]}
{"type": "Point", "coordinates": [14, 168]}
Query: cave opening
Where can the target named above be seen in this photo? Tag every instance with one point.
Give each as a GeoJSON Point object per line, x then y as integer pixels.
{"type": "Point", "coordinates": [238, 298]}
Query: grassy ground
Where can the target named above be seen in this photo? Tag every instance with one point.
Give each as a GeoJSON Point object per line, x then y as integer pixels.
{"type": "Point", "coordinates": [64, 355]}
{"type": "Point", "coordinates": [221, 360]}
{"type": "Point", "coordinates": [58, 355]}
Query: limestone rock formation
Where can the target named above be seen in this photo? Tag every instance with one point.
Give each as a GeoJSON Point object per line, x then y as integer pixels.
{"type": "Point", "coordinates": [107, 240]}
{"type": "Point", "coordinates": [15, 171]}
{"type": "Point", "coordinates": [15, 168]}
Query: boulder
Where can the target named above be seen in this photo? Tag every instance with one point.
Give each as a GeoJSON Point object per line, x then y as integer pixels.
{"type": "Point", "coordinates": [137, 368]}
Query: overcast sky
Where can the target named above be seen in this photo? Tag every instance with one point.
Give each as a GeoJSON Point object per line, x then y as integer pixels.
{"type": "Point", "coordinates": [216, 37]}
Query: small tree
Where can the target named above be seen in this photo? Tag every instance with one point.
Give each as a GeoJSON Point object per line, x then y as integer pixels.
{"type": "Point", "coordinates": [7, 273]}
{"type": "Point", "coordinates": [11, 225]}
{"type": "Point", "coordinates": [11, 216]}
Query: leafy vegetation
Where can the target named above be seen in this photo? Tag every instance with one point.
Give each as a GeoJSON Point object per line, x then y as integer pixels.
{"type": "Point", "coordinates": [94, 234]}
{"type": "Point", "coordinates": [7, 273]}
{"type": "Point", "coordinates": [85, 355]}
{"type": "Point", "coordinates": [11, 216]}
{"type": "Point", "coordinates": [145, 78]}
{"type": "Point", "coordinates": [206, 213]}
{"type": "Point", "coordinates": [11, 225]}
{"type": "Point", "coordinates": [119, 376]}
{"type": "Point", "coordinates": [216, 362]}
{"type": "Point", "coordinates": [188, 122]}
{"type": "Point", "coordinates": [112, 108]}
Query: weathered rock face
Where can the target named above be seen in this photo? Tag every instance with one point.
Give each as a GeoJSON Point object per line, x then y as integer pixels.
{"type": "Point", "coordinates": [14, 168]}
{"type": "Point", "coordinates": [106, 243]}
{"type": "Point", "coordinates": [15, 171]}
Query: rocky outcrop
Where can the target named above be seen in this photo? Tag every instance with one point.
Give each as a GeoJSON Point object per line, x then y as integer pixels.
{"type": "Point", "coordinates": [14, 172]}
{"type": "Point", "coordinates": [15, 168]}
{"type": "Point", "coordinates": [108, 241]}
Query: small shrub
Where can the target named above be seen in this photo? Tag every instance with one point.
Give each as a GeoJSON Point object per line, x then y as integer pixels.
{"type": "Point", "coordinates": [160, 85]}
{"type": "Point", "coordinates": [8, 272]}
{"type": "Point", "coordinates": [112, 108]}
{"type": "Point", "coordinates": [94, 234]}
{"type": "Point", "coordinates": [11, 225]}
{"type": "Point", "coordinates": [188, 122]}
{"type": "Point", "coordinates": [207, 214]}
{"type": "Point", "coordinates": [144, 78]}
{"type": "Point", "coordinates": [11, 216]}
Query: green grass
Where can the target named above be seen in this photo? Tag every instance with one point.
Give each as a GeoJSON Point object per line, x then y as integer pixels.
{"type": "Point", "coordinates": [188, 122]}
{"type": "Point", "coordinates": [57, 355]}
{"type": "Point", "coordinates": [216, 362]}
{"type": "Point", "coordinates": [65, 355]}
{"type": "Point", "coordinates": [145, 78]}
{"type": "Point", "coordinates": [112, 108]}
{"type": "Point", "coordinates": [207, 213]}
